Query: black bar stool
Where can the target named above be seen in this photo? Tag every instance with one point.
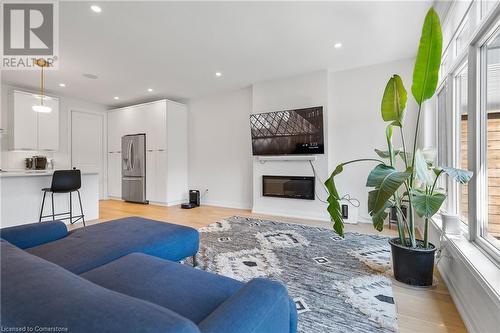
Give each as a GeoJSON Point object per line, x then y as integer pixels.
{"type": "Point", "coordinates": [64, 181]}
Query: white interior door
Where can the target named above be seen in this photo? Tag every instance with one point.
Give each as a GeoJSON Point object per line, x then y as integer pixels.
{"type": "Point", "coordinates": [87, 133]}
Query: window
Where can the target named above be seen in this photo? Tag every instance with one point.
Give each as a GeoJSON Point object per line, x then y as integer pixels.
{"type": "Point", "coordinates": [489, 229]}
{"type": "Point", "coordinates": [442, 121]}
{"type": "Point", "coordinates": [462, 37]}
{"type": "Point", "coordinates": [486, 7]}
{"type": "Point", "coordinates": [468, 100]}
{"type": "Point", "coordinates": [443, 69]}
{"type": "Point", "coordinates": [461, 143]}
{"type": "Point", "coordinates": [443, 137]}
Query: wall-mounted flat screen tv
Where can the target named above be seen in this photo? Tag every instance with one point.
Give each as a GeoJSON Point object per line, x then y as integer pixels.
{"type": "Point", "coordinates": [288, 132]}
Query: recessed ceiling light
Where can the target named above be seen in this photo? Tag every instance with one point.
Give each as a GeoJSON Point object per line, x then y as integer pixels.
{"type": "Point", "coordinates": [337, 45]}
{"type": "Point", "coordinates": [218, 74]}
{"type": "Point", "coordinates": [62, 84]}
{"type": "Point", "coordinates": [96, 9]}
{"type": "Point", "coordinates": [90, 76]}
{"type": "Point", "coordinates": [116, 97]}
{"type": "Point", "coordinates": [150, 89]}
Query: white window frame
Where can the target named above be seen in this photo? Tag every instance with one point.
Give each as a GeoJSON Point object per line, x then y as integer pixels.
{"type": "Point", "coordinates": [478, 125]}
{"type": "Point", "coordinates": [455, 131]}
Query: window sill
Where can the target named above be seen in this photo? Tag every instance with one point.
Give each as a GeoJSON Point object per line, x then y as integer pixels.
{"type": "Point", "coordinates": [480, 264]}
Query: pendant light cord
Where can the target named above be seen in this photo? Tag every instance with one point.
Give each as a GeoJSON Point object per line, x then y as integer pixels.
{"type": "Point", "coordinates": [41, 87]}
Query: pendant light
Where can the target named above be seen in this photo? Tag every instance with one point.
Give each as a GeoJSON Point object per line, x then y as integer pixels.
{"type": "Point", "coordinates": [40, 107]}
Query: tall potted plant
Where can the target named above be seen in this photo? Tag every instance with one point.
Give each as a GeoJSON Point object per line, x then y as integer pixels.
{"type": "Point", "coordinates": [403, 177]}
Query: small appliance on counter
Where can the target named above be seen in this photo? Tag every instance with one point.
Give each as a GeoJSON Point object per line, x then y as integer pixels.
{"type": "Point", "coordinates": [194, 200]}
{"type": "Point", "coordinates": [36, 163]}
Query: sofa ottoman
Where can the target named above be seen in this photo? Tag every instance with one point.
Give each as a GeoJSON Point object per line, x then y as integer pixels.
{"type": "Point", "coordinates": [216, 304]}
{"type": "Point", "coordinates": [86, 248]}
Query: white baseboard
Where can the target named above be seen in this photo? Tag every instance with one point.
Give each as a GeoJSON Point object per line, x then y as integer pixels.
{"type": "Point", "coordinates": [462, 269]}
{"type": "Point", "coordinates": [226, 204]}
{"type": "Point", "coordinates": [460, 302]}
{"type": "Point", "coordinates": [293, 215]}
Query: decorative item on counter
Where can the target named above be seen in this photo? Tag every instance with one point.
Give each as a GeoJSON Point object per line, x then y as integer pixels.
{"type": "Point", "coordinates": [28, 163]}
{"type": "Point", "coordinates": [451, 224]}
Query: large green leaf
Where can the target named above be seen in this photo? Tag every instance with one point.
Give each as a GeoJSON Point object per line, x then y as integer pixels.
{"type": "Point", "coordinates": [426, 205]}
{"type": "Point", "coordinates": [386, 181]}
{"type": "Point", "coordinates": [397, 152]}
{"type": "Point", "coordinates": [461, 176]}
{"type": "Point", "coordinates": [394, 101]}
{"type": "Point", "coordinates": [426, 70]}
{"type": "Point", "coordinates": [388, 136]}
{"type": "Point", "coordinates": [384, 153]}
{"type": "Point", "coordinates": [379, 217]}
{"type": "Point", "coordinates": [422, 169]}
{"type": "Point", "coordinates": [333, 202]}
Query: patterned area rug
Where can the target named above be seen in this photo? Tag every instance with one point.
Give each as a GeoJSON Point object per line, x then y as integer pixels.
{"type": "Point", "coordinates": [338, 285]}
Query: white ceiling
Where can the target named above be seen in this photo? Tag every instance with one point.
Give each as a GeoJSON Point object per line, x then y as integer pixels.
{"type": "Point", "coordinates": [176, 47]}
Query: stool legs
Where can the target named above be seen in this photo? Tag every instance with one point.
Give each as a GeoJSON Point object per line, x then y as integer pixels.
{"type": "Point", "coordinates": [53, 214]}
{"type": "Point", "coordinates": [70, 209]}
{"type": "Point", "coordinates": [41, 209]}
{"type": "Point", "coordinates": [81, 207]}
{"type": "Point", "coordinates": [71, 217]}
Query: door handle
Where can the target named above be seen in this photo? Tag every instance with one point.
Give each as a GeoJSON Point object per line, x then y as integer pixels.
{"type": "Point", "coordinates": [131, 155]}
{"type": "Point", "coordinates": [128, 156]}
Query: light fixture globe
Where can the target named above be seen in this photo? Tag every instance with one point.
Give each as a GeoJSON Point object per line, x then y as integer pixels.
{"type": "Point", "coordinates": [42, 108]}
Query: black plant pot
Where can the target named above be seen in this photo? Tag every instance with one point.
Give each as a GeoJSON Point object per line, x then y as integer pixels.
{"type": "Point", "coordinates": [412, 266]}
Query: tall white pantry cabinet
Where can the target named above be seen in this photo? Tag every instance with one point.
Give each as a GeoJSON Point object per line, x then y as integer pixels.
{"type": "Point", "coordinates": [165, 124]}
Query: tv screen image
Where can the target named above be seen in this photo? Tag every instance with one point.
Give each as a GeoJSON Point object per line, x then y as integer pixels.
{"type": "Point", "coordinates": [288, 132]}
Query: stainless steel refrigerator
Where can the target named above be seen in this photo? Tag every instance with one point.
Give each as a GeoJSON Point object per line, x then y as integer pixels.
{"type": "Point", "coordinates": [134, 168]}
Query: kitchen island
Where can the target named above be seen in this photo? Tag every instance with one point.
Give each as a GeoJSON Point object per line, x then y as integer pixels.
{"type": "Point", "coordinates": [21, 197]}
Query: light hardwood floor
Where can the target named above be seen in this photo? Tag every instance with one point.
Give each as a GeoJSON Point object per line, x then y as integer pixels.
{"type": "Point", "coordinates": [419, 310]}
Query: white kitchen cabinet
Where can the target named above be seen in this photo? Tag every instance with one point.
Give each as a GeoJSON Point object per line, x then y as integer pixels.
{"type": "Point", "coordinates": [155, 121]}
{"type": "Point", "coordinates": [156, 176]}
{"type": "Point", "coordinates": [33, 130]}
{"type": "Point", "coordinates": [115, 174]}
{"type": "Point", "coordinates": [165, 125]}
{"type": "Point", "coordinates": [114, 131]}
{"type": "Point", "coordinates": [150, 175]}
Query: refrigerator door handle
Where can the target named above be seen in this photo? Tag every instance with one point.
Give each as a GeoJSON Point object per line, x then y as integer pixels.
{"type": "Point", "coordinates": [131, 155]}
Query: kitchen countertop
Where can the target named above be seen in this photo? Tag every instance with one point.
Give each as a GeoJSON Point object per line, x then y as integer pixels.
{"type": "Point", "coordinates": [33, 173]}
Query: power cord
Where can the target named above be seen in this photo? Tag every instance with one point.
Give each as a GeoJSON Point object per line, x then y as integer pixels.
{"type": "Point", "coordinates": [353, 201]}
{"type": "Point", "coordinates": [316, 176]}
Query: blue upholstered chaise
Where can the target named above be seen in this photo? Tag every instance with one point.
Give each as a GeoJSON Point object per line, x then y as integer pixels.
{"type": "Point", "coordinates": [122, 291]}
{"type": "Point", "coordinates": [86, 248]}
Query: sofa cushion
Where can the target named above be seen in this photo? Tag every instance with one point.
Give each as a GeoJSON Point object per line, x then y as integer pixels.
{"type": "Point", "coordinates": [192, 293]}
{"type": "Point", "coordinates": [35, 292]}
{"type": "Point", "coordinates": [33, 234]}
{"type": "Point", "coordinates": [90, 247]}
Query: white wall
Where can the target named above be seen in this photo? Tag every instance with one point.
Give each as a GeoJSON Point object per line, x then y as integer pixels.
{"type": "Point", "coordinates": [356, 126]}
{"type": "Point", "coordinates": [301, 91]}
{"type": "Point", "coordinates": [220, 148]}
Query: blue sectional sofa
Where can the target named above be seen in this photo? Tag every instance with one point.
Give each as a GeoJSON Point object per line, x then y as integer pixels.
{"type": "Point", "coordinates": [86, 248]}
{"type": "Point", "coordinates": [131, 287]}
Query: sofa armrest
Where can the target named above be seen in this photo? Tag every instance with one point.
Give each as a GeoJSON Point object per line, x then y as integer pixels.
{"type": "Point", "coordinates": [259, 306]}
{"type": "Point", "coordinates": [33, 234]}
